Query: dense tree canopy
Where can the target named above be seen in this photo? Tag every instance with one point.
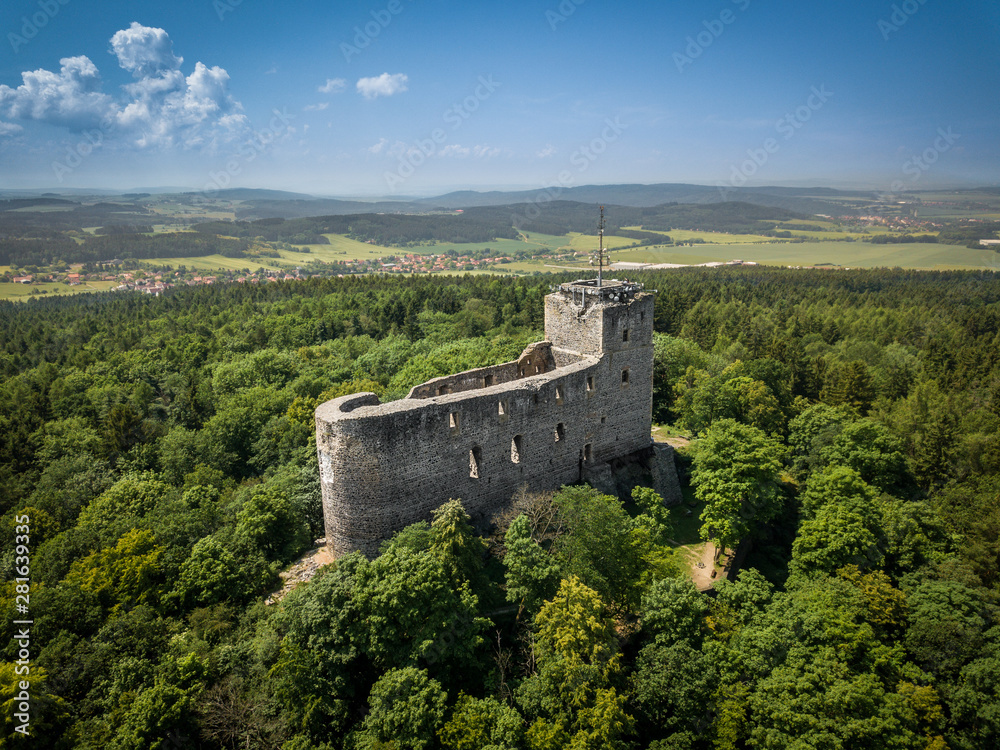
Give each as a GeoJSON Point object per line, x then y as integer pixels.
{"type": "Point", "coordinates": [845, 422]}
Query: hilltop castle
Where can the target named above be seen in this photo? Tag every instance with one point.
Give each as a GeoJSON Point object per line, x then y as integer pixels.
{"type": "Point", "coordinates": [566, 410]}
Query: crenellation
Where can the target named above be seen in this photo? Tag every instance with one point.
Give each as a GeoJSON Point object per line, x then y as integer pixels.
{"type": "Point", "coordinates": [557, 412]}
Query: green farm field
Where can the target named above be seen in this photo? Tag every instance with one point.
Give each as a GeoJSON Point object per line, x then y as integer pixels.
{"type": "Point", "coordinates": [846, 254]}
{"type": "Point", "coordinates": [20, 292]}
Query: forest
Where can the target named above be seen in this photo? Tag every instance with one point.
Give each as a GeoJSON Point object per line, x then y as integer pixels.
{"type": "Point", "coordinates": [158, 470]}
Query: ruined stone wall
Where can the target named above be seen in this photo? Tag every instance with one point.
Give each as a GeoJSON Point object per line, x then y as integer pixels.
{"type": "Point", "coordinates": [562, 408]}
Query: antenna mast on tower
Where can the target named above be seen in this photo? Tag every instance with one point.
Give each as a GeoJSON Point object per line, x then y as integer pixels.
{"type": "Point", "coordinates": [600, 250]}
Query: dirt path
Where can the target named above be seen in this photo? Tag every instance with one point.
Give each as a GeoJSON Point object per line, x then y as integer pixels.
{"type": "Point", "coordinates": [300, 571]}
{"type": "Point", "coordinates": [701, 572]}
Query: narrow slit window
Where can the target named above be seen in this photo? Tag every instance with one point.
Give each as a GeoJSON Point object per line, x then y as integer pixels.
{"type": "Point", "coordinates": [559, 394]}
{"type": "Point", "coordinates": [538, 369]}
{"type": "Point", "coordinates": [487, 381]}
{"type": "Point", "coordinates": [625, 376]}
{"type": "Point", "coordinates": [475, 462]}
{"type": "Point", "coordinates": [587, 453]}
{"type": "Point", "coordinates": [453, 421]}
{"type": "Point", "coordinates": [521, 371]}
{"type": "Point", "coordinates": [590, 384]}
{"type": "Point", "coordinates": [515, 449]}
{"type": "Point", "coordinates": [625, 334]}
{"type": "Point", "coordinates": [501, 409]}
{"type": "Point", "coordinates": [560, 432]}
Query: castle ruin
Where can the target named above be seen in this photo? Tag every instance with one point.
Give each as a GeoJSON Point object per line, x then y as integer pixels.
{"type": "Point", "coordinates": [565, 411]}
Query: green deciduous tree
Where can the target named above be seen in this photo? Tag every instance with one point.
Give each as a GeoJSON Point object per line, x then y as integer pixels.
{"type": "Point", "coordinates": [735, 473]}
{"type": "Point", "coordinates": [600, 546]}
{"type": "Point", "coordinates": [570, 701]}
{"type": "Point", "coordinates": [532, 574]}
{"type": "Point", "coordinates": [406, 708]}
{"type": "Point", "coordinates": [482, 724]}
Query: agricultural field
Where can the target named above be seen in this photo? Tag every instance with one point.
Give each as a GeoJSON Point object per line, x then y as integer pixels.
{"type": "Point", "coordinates": [845, 254]}
{"type": "Point", "coordinates": [20, 292]}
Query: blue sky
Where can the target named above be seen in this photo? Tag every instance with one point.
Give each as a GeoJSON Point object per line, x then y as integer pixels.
{"type": "Point", "coordinates": [415, 97]}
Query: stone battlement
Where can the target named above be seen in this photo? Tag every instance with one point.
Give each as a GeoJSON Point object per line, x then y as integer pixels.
{"type": "Point", "coordinates": [567, 405]}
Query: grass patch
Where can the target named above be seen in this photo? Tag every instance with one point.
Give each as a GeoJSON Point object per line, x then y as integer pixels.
{"type": "Point", "coordinates": [21, 292]}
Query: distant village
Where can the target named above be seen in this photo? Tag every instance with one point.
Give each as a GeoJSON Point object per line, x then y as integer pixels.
{"type": "Point", "coordinates": [137, 279]}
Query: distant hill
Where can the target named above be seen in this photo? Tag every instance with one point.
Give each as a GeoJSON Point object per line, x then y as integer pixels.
{"type": "Point", "coordinates": [800, 200]}
{"type": "Point", "coordinates": [252, 194]}
{"type": "Point", "coordinates": [277, 208]}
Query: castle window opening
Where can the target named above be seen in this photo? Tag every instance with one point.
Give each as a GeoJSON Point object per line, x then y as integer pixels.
{"type": "Point", "coordinates": [625, 334]}
{"type": "Point", "coordinates": [538, 369]}
{"type": "Point", "coordinates": [453, 420]}
{"type": "Point", "coordinates": [560, 432]}
{"type": "Point", "coordinates": [475, 461]}
{"type": "Point", "coordinates": [443, 390]}
{"type": "Point", "coordinates": [515, 449]}
{"type": "Point", "coordinates": [521, 371]}
{"type": "Point", "coordinates": [501, 409]}
{"type": "Point", "coordinates": [559, 394]}
{"type": "Point", "coordinates": [624, 376]}
{"type": "Point", "coordinates": [603, 420]}
{"type": "Point", "coordinates": [487, 381]}
{"type": "Point", "coordinates": [590, 384]}
{"type": "Point", "coordinates": [587, 453]}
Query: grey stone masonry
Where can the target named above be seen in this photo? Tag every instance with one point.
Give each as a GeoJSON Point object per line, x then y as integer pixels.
{"type": "Point", "coordinates": [567, 405]}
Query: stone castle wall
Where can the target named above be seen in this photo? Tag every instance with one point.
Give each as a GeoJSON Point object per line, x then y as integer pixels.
{"type": "Point", "coordinates": [567, 405]}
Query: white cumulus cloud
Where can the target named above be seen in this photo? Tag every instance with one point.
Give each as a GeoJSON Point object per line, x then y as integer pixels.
{"type": "Point", "coordinates": [145, 51]}
{"type": "Point", "coordinates": [9, 128]}
{"type": "Point", "coordinates": [455, 150]}
{"type": "Point", "coordinates": [383, 85]}
{"type": "Point", "coordinates": [333, 86]}
{"type": "Point", "coordinates": [162, 107]}
{"type": "Point", "coordinates": [316, 107]}
{"type": "Point", "coordinates": [71, 98]}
